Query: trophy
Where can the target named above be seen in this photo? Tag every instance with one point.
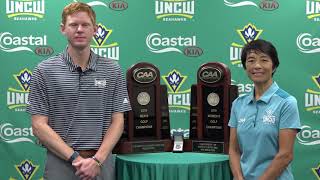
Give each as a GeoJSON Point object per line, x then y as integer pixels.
{"type": "Point", "coordinates": [147, 126]}
{"type": "Point", "coordinates": [211, 100]}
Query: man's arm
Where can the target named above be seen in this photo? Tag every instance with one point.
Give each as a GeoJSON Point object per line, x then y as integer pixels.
{"type": "Point", "coordinates": [49, 137]}
{"type": "Point", "coordinates": [284, 155]}
{"type": "Point", "coordinates": [111, 137]}
{"type": "Point", "coordinates": [234, 155]}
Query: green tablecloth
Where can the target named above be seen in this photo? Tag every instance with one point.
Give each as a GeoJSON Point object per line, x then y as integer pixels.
{"type": "Point", "coordinates": [173, 166]}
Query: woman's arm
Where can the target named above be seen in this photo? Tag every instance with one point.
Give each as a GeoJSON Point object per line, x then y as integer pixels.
{"type": "Point", "coordinates": [283, 157]}
{"type": "Point", "coordinates": [234, 154]}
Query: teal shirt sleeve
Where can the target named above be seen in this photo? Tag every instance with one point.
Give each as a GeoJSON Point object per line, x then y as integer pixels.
{"type": "Point", "coordinates": [289, 117]}
{"type": "Point", "coordinates": [233, 118]}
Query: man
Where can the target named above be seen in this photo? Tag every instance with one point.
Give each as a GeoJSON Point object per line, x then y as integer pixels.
{"type": "Point", "coordinates": [77, 101]}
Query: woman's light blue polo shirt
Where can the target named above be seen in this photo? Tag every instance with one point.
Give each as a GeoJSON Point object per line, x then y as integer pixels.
{"type": "Point", "coordinates": [258, 124]}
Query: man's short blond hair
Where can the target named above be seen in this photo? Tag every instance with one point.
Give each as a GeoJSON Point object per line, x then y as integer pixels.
{"type": "Point", "coordinates": [78, 7]}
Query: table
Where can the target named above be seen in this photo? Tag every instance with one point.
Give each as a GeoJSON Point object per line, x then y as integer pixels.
{"type": "Point", "coordinates": [173, 166]}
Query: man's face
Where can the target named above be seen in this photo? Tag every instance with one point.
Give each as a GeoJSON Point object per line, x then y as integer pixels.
{"type": "Point", "coordinates": [79, 30]}
{"type": "Point", "coordinates": [259, 67]}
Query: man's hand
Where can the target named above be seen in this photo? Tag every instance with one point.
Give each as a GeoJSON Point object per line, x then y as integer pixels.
{"type": "Point", "coordinates": [87, 169]}
{"type": "Point", "coordinates": [78, 159]}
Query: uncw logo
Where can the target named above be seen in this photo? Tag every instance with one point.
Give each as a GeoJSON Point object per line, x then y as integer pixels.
{"type": "Point", "coordinates": [313, 10]}
{"type": "Point", "coordinates": [312, 97]}
{"type": "Point", "coordinates": [26, 170]}
{"type": "Point", "coordinates": [110, 51]}
{"type": "Point", "coordinates": [25, 10]}
{"type": "Point", "coordinates": [248, 33]}
{"type": "Point", "coordinates": [174, 10]}
{"type": "Point", "coordinates": [17, 98]}
{"type": "Point", "coordinates": [179, 101]}
{"type": "Point", "coordinates": [316, 171]}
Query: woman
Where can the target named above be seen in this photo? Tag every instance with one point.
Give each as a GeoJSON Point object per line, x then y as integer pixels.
{"type": "Point", "coordinates": [264, 123]}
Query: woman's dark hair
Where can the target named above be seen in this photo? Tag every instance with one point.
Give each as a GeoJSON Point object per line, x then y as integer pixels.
{"type": "Point", "coordinates": [262, 46]}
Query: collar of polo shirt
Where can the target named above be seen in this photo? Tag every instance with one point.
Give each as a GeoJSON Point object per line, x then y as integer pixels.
{"type": "Point", "coordinates": [92, 61]}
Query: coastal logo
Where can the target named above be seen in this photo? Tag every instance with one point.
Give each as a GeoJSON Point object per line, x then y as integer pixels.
{"type": "Point", "coordinates": [266, 5]}
{"type": "Point", "coordinates": [10, 43]}
{"type": "Point", "coordinates": [306, 43]}
{"type": "Point", "coordinates": [111, 50]}
{"type": "Point", "coordinates": [316, 171]}
{"type": "Point", "coordinates": [25, 10]}
{"type": "Point", "coordinates": [11, 134]}
{"type": "Point", "coordinates": [116, 5]}
{"type": "Point", "coordinates": [248, 33]}
{"type": "Point", "coordinates": [313, 10]}
{"type": "Point", "coordinates": [174, 10]}
{"type": "Point", "coordinates": [94, 3]}
{"type": "Point", "coordinates": [27, 169]}
{"type": "Point", "coordinates": [308, 136]}
{"type": "Point", "coordinates": [179, 101]}
{"type": "Point", "coordinates": [243, 88]}
{"type": "Point", "coordinates": [312, 97]}
{"type": "Point", "coordinates": [162, 44]}
{"type": "Point", "coordinates": [17, 98]}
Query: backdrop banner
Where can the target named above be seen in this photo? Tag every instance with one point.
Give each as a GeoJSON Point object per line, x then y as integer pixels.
{"type": "Point", "coordinates": [177, 36]}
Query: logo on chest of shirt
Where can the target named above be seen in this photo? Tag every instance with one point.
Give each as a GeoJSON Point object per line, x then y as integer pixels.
{"type": "Point", "coordinates": [101, 83]}
{"type": "Point", "coordinates": [268, 117]}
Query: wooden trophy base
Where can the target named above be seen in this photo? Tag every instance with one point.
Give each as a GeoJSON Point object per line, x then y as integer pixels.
{"type": "Point", "coordinates": [143, 146]}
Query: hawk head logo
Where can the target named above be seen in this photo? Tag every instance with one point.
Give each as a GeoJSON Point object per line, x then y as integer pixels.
{"type": "Point", "coordinates": [316, 80]}
{"type": "Point", "coordinates": [26, 169]}
{"type": "Point", "coordinates": [102, 35]}
{"type": "Point", "coordinates": [316, 171]}
{"type": "Point", "coordinates": [174, 79]}
{"type": "Point", "coordinates": [249, 33]}
{"type": "Point", "coordinates": [23, 79]}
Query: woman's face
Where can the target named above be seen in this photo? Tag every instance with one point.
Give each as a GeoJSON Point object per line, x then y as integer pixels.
{"type": "Point", "coordinates": [259, 68]}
